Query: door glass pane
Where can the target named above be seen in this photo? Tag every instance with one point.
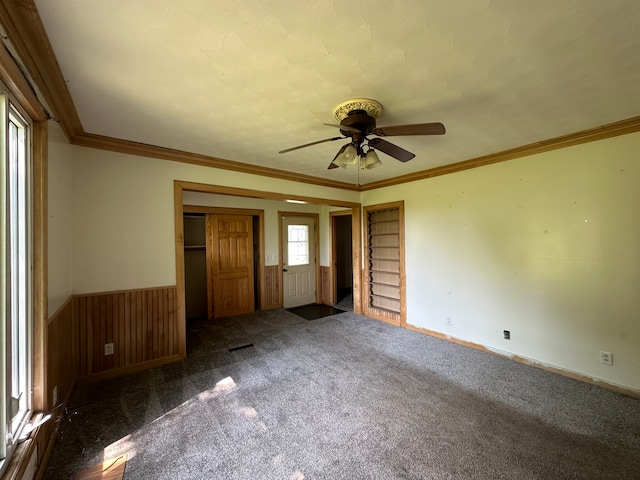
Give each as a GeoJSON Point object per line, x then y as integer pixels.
{"type": "Point", "coordinates": [298, 245]}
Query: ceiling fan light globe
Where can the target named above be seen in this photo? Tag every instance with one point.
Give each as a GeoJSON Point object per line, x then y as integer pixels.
{"type": "Point", "coordinates": [339, 162]}
{"type": "Point", "coordinates": [349, 156]}
{"type": "Point", "coordinates": [370, 160]}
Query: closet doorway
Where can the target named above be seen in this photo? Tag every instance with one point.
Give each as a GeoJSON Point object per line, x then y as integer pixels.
{"type": "Point", "coordinates": [222, 250]}
{"type": "Point", "coordinates": [342, 259]}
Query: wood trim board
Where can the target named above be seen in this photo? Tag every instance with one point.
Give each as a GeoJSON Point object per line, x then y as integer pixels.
{"type": "Point", "coordinates": [110, 469]}
{"type": "Point", "coordinates": [260, 194]}
{"type": "Point", "coordinates": [27, 35]}
{"type": "Point", "coordinates": [11, 76]}
{"type": "Point", "coordinates": [623, 127]}
{"type": "Point", "coordinates": [40, 262]}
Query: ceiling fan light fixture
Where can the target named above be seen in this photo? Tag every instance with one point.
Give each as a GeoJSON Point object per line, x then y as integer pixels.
{"type": "Point", "coordinates": [357, 121]}
{"type": "Point", "coordinates": [337, 162]}
{"type": "Point", "coordinates": [348, 157]}
{"type": "Point", "coordinates": [369, 105]}
{"type": "Point", "coordinates": [370, 160]}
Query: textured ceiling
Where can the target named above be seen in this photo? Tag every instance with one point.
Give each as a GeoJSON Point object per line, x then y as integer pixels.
{"type": "Point", "coordinates": [243, 79]}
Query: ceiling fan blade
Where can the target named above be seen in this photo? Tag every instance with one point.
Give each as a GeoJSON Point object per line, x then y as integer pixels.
{"type": "Point", "coordinates": [343, 127]}
{"type": "Point", "coordinates": [435, 128]}
{"type": "Point", "coordinates": [333, 165]}
{"type": "Point", "coordinates": [391, 149]}
{"type": "Point", "coordinates": [309, 144]}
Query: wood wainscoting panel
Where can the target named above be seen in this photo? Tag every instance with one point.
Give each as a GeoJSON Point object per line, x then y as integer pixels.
{"type": "Point", "coordinates": [326, 293]}
{"type": "Point", "coordinates": [62, 366]}
{"type": "Point", "coordinates": [272, 290]}
{"type": "Point", "coordinates": [141, 324]}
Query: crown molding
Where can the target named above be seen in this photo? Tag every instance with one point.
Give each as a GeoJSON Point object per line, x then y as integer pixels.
{"type": "Point", "coordinates": [623, 127]}
{"type": "Point", "coordinates": [22, 23]}
{"type": "Point", "coordinates": [18, 86]}
{"type": "Point", "coordinates": [133, 148]}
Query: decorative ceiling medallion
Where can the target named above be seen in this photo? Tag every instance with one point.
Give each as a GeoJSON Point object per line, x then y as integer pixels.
{"type": "Point", "coordinates": [372, 107]}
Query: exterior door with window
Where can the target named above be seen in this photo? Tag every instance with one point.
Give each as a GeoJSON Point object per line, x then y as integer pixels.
{"type": "Point", "coordinates": [298, 261]}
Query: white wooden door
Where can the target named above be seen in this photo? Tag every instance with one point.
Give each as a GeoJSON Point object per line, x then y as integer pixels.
{"type": "Point", "coordinates": [298, 261]}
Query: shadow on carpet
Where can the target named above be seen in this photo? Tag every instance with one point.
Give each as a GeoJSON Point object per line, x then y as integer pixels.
{"type": "Point", "coordinates": [315, 311]}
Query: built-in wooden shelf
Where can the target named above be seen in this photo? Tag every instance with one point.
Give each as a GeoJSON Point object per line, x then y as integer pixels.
{"type": "Point", "coordinates": [194, 247]}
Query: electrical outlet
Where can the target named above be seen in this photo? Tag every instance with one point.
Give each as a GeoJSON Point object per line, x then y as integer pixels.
{"type": "Point", "coordinates": [506, 334]}
{"type": "Point", "coordinates": [449, 321]}
{"type": "Point", "coordinates": [108, 348]}
{"type": "Point", "coordinates": [606, 357]}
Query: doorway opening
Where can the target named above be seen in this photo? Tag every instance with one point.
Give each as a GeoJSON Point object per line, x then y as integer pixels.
{"type": "Point", "coordinates": [195, 265]}
{"type": "Point", "coordinates": [222, 248]}
{"type": "Point", "coordinates": [269, 277]}
{"type": "Point", "coordinates": [342, 258]}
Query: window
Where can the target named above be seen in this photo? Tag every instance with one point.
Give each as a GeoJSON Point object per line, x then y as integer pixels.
{"type": "Point", "coordinates": [298, 245]}
{"type": "Point", "coordinates": [15, 277]}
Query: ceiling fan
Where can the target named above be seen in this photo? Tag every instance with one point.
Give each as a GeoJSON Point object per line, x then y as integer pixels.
{"type": "Point", "coordinates": [357, 119]}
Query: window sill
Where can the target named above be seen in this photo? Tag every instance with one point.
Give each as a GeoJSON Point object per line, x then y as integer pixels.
{"type": "Point", "coordinates": [25, 449]}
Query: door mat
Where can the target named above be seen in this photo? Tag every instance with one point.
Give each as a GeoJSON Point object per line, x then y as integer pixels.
{"type": "Point", "coordinates": [315, 311]}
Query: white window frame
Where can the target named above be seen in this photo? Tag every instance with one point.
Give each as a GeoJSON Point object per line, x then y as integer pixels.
{"type": "Point", "coordinates": [16, 280]}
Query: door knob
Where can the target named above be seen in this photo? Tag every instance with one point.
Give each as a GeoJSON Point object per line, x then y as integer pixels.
{"type": "Point", "coordinates": [285, 270]}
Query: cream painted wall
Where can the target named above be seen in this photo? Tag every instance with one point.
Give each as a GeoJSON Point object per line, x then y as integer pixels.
{"type": "Point", "coordinates": [546, 246]}
{"type": "Point", "coordinates": [59, 219]}
{"type": "Point", "coordinates": [123, 232]}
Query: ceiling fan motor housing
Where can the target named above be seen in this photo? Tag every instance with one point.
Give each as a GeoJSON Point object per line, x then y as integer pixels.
{"type": "Point", "coordinates": [358, 119]}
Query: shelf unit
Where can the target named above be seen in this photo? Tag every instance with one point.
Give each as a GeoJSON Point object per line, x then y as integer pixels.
{"type": "Point", "coordinates": [195, 265]}
{"type": "Point", "coordinates": [384, 263]}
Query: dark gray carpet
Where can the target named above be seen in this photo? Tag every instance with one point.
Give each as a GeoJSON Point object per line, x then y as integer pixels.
{"type": "Point", "coordinates": [346, 397]}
